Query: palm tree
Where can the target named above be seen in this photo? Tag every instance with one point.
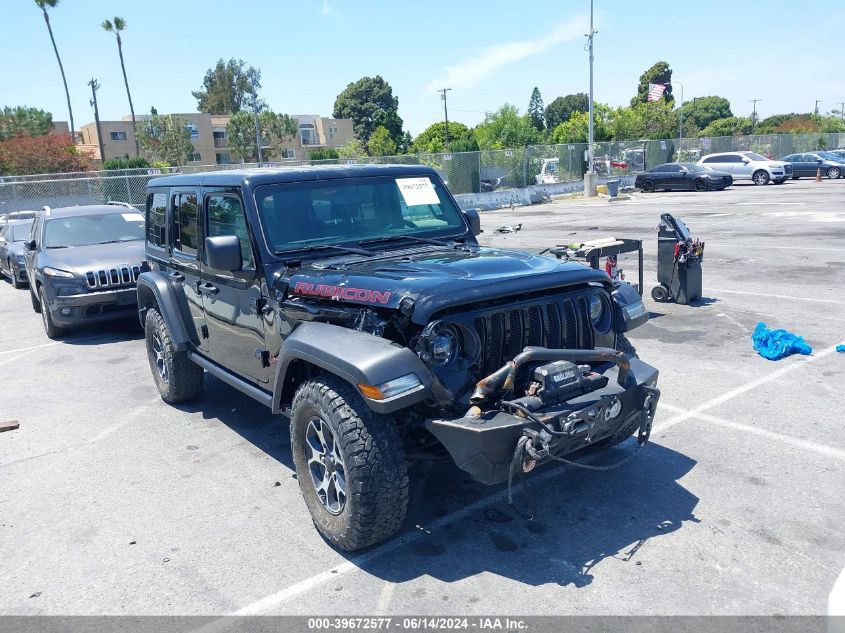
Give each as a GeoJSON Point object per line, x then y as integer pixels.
{"type": "Point", "coordinates": [43, 4]}
{"type": "Point", "coordinates": [116, 27]}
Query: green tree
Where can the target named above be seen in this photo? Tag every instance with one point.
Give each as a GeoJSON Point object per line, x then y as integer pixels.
{"type": "Point", "coordinates": [380, 143]}
{"type": "Point", "coordinates": [370, 103]}
{"type": "Point", "coordinates": [43, 5]}
{"type": "Point", "coordinates": [660, 119]}
{"type": "Point", "coordinates": [704, 110]}
{"type": "Point", "coordinates": [137, 162]}
{"type": "Point", "coordinates": [23, 120]}
{"type": "Point", "coordinates": [562, 108]}
{"type": "Point", "coordinates": [535, 110]}
{"type": "Point", "coordinates": [226, 87]}
{"type": "Point", "coordinates": [323, 154]}
{"type": "Point", "coordinates": [576, 128]}
{"type": "Point", "coordinates": [275, 131]}
{"type": "Point", "coordinates": [432, 140]}
{"type": "Point", "coordinates": [659, 73]}
{"type": "Point", "coordinates": [729, 126]}
{"type": "Point", "coordinates": [116, 27]}
{"type": "Point", "coordinates": [506, 128]}
{"type": "Point", "coordinates": [354, 148]}
{"type": "Point", "coordinates": [166, 137]}
{"type": "Point", "coordinates": [45, 153]}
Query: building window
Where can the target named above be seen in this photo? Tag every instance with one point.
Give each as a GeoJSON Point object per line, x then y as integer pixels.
{"type": "Point", "coordinates": [194, 156]}
{"type": "Point", "coordinates": [288, 152]}
{"type": "Point", "coordinates": [192, 130]}
{"type": "Point", "coordinates": [222, 158]}
{"type": "Point", "coordinates": [118, 136]}
{"type": "Point", "coordinates": [220, 139]}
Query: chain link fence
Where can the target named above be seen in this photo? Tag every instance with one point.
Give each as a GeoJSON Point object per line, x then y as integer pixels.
{"type": "Point", "coordinates": [468, 172]}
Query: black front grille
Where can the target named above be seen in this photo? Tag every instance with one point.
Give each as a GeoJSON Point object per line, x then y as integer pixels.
{"type": "Point", "coordinates": [556, 322]}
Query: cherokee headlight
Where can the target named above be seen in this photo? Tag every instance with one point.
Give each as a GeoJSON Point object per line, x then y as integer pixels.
{"type": "Point", "coordinates": [55, 272]}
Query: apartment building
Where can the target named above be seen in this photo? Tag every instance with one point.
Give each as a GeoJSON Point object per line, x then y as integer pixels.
{"type": "Point", "coordinates": [210, 144]}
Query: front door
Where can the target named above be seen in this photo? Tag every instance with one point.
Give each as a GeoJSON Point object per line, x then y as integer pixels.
{"type": "Point", "coordinates": [183, 266]}
{"type": "Point", "coordinates": [232, 300]}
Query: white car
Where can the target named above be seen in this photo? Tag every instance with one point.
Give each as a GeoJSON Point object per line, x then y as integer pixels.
{"type": "Point", "coordinates": [749, 166]}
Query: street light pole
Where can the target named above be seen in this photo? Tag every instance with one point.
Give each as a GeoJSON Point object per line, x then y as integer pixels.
{"type": "Point", "coordinates": [754, 114]}
{"type": "Point", "coordinates": [443, 92]}
{"type": "Point", "coordinates": [590, 177]}
{"type": "Point", "coordinates": [680, 115]}
{"type": "Point", "coordinates": [816, 109]}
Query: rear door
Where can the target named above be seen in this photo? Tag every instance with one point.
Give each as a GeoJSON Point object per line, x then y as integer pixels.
{"type": "Point", "coordinates": [719, 162]}
{"type": "Point", "coordinates": [232, 301]}
{"type": "Point", "coordinates": [183, 264]}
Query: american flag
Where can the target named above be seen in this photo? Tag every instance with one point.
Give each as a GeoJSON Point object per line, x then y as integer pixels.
{"type": "Point", "coordinates": [655, 91]}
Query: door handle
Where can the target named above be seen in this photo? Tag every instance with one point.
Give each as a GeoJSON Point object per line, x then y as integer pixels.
{"type": "Point", "coordinates": [177, 276]}
{"type": "Point", "coordinates": [208, 289]}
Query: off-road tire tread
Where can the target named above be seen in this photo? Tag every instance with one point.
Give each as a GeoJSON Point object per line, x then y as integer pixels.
{"type": "Point", "coordinates": [376, 469]}
{"type": "Point", "coordinates": [186, 377]}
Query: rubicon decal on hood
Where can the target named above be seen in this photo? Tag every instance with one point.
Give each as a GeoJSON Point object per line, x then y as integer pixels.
{"type": "Point", "coordinates": [341, 292]}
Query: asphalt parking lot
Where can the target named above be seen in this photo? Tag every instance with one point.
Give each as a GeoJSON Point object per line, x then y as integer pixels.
{"type": "Point", "coordinates": [112, 502]}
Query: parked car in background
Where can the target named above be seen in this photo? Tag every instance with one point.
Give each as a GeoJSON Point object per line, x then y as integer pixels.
{"type": "Point", "coordinates": [83, 264]}
{"type": "Point", "coordinates": [13, 235]}
{"type": "Point", "coordinates": [749, 166]}
{"type": "Point", "coordinates": [840, 153]}
{"type": "Point", "coordinates": [17, 215]}
{"type": "Point", "coordinates": [810, 163]}
{"type": "Point", "coordinates": [682, 177]}
{"type": "Point", "coordinates": [550, 168]}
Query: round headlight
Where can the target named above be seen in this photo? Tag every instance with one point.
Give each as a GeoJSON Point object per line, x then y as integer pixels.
{"type": "Point", "coordinates": [443, 344]}
{"type": "Point", "coordinates": [596, 309]}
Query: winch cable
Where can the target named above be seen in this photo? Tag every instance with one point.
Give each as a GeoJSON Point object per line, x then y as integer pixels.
{"type": "Point", "coordinates": [524, 446]}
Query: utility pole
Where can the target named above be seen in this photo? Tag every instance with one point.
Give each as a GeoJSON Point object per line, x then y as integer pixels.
{"type": "Point", "coordinates": [816, 109]}
{"type": "Point", "coordinates": [443, 92]}
{"type": "Point", "coordinates": [95, 85]}
{"type": "Point", "coordinates": [754, 114]}
{"type": "Point", "coordinates": [842, 110]}
{"type": "Point", "coordinates": [590, 176]}
{"type": "Point", "coordinates": [680, 114]}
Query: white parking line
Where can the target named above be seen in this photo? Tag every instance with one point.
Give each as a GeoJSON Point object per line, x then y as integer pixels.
{"type": "Point", "coordinates": [773, 296]}
{"type": "Point", "coordinates": [794, 365]}
{"type": "Point", "coordinates": [797, 249]}
{"type": "Point", "coordinates": [268, 603]}
{"type": "Point", "coordinates": [747, 428]}
{"type": "Point", "coordinates": [26, 349]}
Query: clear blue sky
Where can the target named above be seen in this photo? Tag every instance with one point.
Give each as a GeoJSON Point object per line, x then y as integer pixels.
{"type": "Point", "coordinates": [786, 53]}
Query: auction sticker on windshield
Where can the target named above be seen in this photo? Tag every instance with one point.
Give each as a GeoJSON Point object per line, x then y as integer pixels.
{"type": "Point", "coordinates": [417, 191]}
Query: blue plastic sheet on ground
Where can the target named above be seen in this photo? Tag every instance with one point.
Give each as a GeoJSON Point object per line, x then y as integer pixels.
{"type": "Point", "coordinates": [777, 344]}
{"type": "Point", "coordinates": [840, 348]}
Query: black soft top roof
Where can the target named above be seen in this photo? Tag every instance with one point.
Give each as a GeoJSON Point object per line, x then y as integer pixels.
{"type": "Point", "coordinates": [262, 176]}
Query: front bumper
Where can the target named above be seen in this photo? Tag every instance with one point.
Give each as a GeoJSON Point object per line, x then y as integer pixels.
{"type": "Point", "coordinates": [483, 446]}
{"type": "Point", "coordinates": [93, 307]}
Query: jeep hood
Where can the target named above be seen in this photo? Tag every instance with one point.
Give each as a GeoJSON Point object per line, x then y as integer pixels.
{"type": "Point", "coordinates": [81, 259]}
{"type": "Point", "coordinates": [436, 279]}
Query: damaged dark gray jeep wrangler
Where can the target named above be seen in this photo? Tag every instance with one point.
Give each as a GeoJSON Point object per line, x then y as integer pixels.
{"type": "Point", "coordinates": [357, 300]}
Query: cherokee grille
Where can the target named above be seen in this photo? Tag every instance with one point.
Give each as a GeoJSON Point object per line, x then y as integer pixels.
{"type": "Point", "coordinates": [112, 277]}
{"type": "Point", "coordinates": [553, 323]}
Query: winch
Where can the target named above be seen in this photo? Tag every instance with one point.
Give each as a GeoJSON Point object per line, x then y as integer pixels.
{"type": "Point", "coordinates": [559, 381]}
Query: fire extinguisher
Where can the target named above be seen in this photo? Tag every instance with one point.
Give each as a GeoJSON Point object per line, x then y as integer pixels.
{"type": "Point", "coordinates": [611, 269]}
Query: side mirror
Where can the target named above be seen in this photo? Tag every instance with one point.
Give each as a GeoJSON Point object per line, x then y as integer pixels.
{"type": "Point", "coordinates": [819, 160]}
{"type": "Point", "coordinates": [745, 161]}
{"type": "Point", "coordinates": [474, 220]}
{"type": "Point", "coordinates": [29, 245]}
{"type": "Point", "coordinates": [223, 252]}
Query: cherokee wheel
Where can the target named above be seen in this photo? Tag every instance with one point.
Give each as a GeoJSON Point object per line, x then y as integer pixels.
{"type": "Point", "coordinates": [52, 330]}
{"type": "Point", "coordinates": [350, 464]}
{"type": "Point", "coordinates": [178, 378]}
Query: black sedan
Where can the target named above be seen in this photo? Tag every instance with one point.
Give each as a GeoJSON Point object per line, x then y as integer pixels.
{"type": "Point", "coordinates": [809, 164]}
{"type": "Point", "coordinates": [682, 177]}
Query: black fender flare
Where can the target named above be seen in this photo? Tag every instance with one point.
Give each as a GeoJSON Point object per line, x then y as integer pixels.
{"type": "Point", "coordinates": [169, 299]}
{"type": "Point", "coordinates": [353, 356]}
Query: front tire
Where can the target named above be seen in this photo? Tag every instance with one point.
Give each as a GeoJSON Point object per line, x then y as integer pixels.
{"type": "Point", "coordinates": [760, 177]}
{"type": "Point", "coordinates": [36, 304]}
{"type": "Point", "coordinates": [51, 329]}
{"type": "Point", "coordinates": [834, 173]}
{"type": "Point", "coordinates": [178, 378]}
{"type": "Point", "coordinates": [16, 284]}
{"type": "Point", "coordinates": [699, 185]}
{"type": "Point", "coordinates": [647, 186]}
{"type": "Point", "coordinates": [350, 464]}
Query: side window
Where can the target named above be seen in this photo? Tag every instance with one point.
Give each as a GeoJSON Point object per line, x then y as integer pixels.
{"type": "Point", "coordinates": [36, 228]}
{"type": "Point", "coordinates": [185, 237]}
{"type": "Point", "coordinates": [225, 216]}
{"type": "Point", "coordinates": [713, 159]}
{"type": "Point", "coordinates": [157, 219]}
{"type": "Point", "coordinates": [733, 158]}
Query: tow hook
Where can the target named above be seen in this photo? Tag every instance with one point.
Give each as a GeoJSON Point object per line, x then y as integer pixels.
{"type": "Point", "coordinates": [650, 406]}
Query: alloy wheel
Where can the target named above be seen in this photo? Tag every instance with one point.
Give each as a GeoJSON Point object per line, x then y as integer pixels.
{"type": "Point", "coordinates": [326, 465]}
{"type": "Point", "coordinates": [159, 357]}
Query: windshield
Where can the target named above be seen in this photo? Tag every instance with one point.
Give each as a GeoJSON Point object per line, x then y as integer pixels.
{"type": "Point", "coordinates": [336, 211]}
{"type": "Point", "coordinates": [754, 156]}
{"type": "Point", "coordinates": [831, 156]}
{"type": "Point", "coordinates": [20, 232]}
{"type": "Point", "coordinates": [102, 228]}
